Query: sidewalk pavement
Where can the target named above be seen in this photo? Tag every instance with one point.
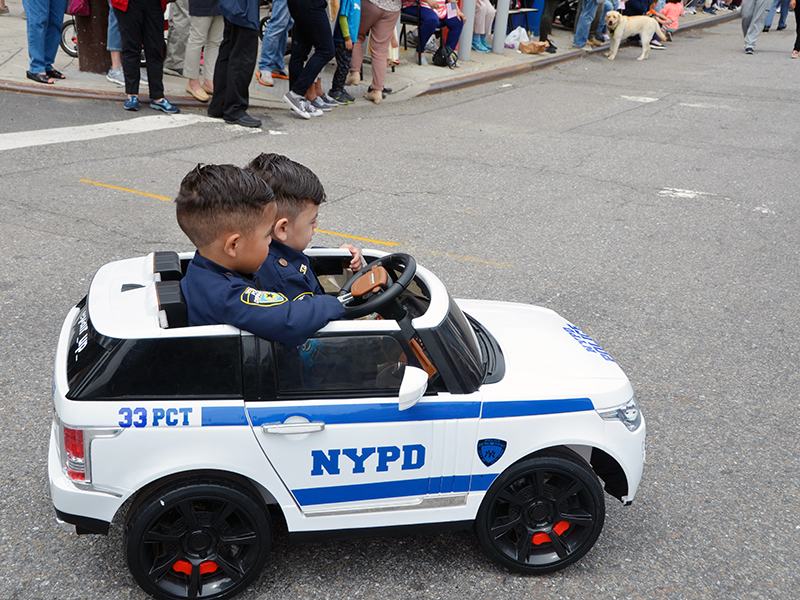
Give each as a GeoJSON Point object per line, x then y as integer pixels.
{"type": "Point", "coordinates": [408, 80]}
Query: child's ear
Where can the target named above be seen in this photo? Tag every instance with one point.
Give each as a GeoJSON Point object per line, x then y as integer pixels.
{"type": "Point", "coordinates": [231, 244]}
{"type": "Point", "coordinates": [280, 230]}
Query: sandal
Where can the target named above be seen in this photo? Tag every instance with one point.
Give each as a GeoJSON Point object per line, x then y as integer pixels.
{"type": "Point", "coordinates": [39, 77]}
{"type": "Point", "coordinates": [55, 74]}
{"type": "Point", "coordinates": [795, 53]}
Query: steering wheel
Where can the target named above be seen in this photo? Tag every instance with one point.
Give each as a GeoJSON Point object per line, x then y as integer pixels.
{"type": "Point", "coordinates": [374, 279]}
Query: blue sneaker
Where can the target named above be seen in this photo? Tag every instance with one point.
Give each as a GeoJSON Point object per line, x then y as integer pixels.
{"type": "Point", "coordinates": [132, 103]}
{"type": "Point", "coordinates": [476, 45]}
{"type": "Point", "coordinates": [165, 106]}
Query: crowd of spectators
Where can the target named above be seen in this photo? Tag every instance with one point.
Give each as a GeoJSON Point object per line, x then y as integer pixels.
{"type": "Point", "coordinates": [214, 43]}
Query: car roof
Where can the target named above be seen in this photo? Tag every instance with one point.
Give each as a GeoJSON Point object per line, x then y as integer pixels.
{"type": "Point", "coordinates": [123, 303]}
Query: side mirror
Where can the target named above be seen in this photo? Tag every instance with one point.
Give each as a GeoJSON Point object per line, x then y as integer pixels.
{"type": "Point", "coordinates": [413, 386]}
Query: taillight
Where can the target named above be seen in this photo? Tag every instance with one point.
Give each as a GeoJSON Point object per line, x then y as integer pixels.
{"type": "Point", "coordinates": [74, 448]}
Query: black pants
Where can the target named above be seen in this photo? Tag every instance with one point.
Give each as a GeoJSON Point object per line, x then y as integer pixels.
{"type": "Point", "coordinates": [312, 29]}
{"type": "Point", "coordinates": [344, 58]}
{"type": "Point", "coordinates": [546, 22]}
{"type": "Point", "coordinates": [236, 63]}
{"type": "Point", "coordinates": [797, 19]}
{"type": "Point", "coordinates": [142, 25]}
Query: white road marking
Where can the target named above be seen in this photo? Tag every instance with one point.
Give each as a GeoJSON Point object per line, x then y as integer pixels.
{"type": "Point", "coordinates": [644, 99]}
{"type": "Point", "coordinates": [43, 137]}
{"type": "Point", "coordinates": [677, 193]}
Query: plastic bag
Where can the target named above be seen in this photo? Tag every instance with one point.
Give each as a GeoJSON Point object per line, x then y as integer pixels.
{"type": "Point", "coordinates": [515, 37]}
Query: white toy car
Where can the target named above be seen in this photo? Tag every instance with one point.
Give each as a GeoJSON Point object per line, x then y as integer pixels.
{"type": "Point", "coordinates": [438, 414]}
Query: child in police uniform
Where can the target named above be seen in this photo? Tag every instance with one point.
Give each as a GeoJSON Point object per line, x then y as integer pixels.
{"type": "Point", "coordinates": [228, 214]}
{"type": "Point", "coordinates": [298, 194]}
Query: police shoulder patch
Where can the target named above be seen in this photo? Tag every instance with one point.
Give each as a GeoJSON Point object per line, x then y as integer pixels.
{"type": "Point", "coordinates": [256, 297]}
{"type": "Point", "coordinates": [491, 450]}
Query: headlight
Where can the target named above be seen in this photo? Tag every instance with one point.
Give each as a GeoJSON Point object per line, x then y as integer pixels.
{"type": "Point", "coordinates": [627, 413]}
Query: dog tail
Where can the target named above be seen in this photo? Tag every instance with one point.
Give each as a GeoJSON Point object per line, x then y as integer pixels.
{"type": "Point", "coordinates": [660, 33]}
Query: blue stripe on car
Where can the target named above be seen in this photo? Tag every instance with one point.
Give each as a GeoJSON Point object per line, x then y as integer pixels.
{"type": "Point", "coordinates": [525, 408]}
{"type": "Point", "coordinates": [393, 489]}
{"type": "Point", "coordinates": [218, 416]}
{"type": "Point", "coordinates": [341, 414]}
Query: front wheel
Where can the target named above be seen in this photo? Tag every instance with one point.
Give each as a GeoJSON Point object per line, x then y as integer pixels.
{"type": "Point", "coordinates": [69, 38]}
{"type": "Point", "coordinates": [541, 515]}
{"type": "Point", "coordinates": [202, 539]}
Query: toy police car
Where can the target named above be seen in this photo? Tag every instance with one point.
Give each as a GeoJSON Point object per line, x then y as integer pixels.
{"type": "Point", "coordinates": [428, 413]}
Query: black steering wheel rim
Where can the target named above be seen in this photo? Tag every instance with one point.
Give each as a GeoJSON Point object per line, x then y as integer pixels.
{"type": "Point", "coordinates": [399, 260]}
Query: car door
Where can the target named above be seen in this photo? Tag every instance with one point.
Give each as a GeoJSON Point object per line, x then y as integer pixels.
{"type": "Point", "coordinates": [328, 420]}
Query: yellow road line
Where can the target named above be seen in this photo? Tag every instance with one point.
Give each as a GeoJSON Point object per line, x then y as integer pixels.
{"type": "Point", "coordinates": [360, 239]}
{"type": "Point", "coordinates": [114, 187]}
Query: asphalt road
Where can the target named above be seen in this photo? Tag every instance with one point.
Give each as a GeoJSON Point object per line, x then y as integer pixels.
{"type": "Point", "coordinates": [654, 204]}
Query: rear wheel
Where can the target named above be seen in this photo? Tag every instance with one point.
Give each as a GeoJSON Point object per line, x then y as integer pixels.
{"type": "Point", "coordinates": [541, 514]}
{"type": "Point", "coordinates": [204, 539]}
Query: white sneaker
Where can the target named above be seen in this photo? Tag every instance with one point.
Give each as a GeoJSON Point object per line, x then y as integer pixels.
{"type": "Point", "coordinates": [311, 109]}
{"type": "Point", "coordinates": [265, 78]}
{"type": "Point", "coordinates": [116, 76]}
{"type": "Point", "coordinates": [319, 104]}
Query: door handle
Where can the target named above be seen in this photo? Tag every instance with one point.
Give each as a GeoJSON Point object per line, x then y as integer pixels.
{"type": "Point", "coordinates": [293, 428]}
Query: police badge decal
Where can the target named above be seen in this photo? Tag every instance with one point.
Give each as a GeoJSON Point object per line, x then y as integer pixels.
{"type": "Point", "coordinates": [491, 450]}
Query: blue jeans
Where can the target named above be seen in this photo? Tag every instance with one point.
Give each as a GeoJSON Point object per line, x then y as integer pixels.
{"type": "Point", "coordinates": [430, 21]}
{"type": "Point", "coordinates": [784, 4]}
{"type": "Point", "coordinates": [44, 19]}
{"type": "Point", "coordinates": [113, 38]}
{"type": "Point", "coordinates": [588, 11]}
{"type": "Point", "coordinates": [276, 33]}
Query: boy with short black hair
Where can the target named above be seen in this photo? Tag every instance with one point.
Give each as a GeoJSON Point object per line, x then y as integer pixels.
{"type": "Point", "coordinates": [298, 194]}
{"type": "Point", "coordinates": [228, 214]}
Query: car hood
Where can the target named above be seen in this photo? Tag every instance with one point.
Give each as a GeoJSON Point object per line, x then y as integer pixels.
{"type": "Point", "coordinates": [547, 357]}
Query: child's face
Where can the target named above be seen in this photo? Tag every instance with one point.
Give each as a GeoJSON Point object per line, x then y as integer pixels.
{"type": "Point", "coordinates": [300, 231]}
{"type": "Point", "coordinates": [252, 250]}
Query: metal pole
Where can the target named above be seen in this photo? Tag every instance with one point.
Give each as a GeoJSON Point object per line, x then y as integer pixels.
{"type": "Point", "coordinates": [465, 42]}
{"type": "Point", "coordinates": [500, 21]}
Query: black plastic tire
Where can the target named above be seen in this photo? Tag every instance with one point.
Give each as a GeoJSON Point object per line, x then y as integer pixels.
{"type": "Point", "coordinates": [69, 38]}
{"type": "Point", "coordinates": [199, 539]}
{"type": "Point", "coordinates": [541, 514]}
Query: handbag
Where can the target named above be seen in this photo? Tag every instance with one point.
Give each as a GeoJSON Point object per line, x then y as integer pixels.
{"type": "Point", "coordinates": [78, 7]}
{"type": "Point", "coordinates": [445, 56]}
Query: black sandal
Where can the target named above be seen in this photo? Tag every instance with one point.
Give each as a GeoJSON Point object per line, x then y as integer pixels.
{"type": "Point", "coordinates": [39, 77]}
{"type": "Point", "coordinates": [55, 74]}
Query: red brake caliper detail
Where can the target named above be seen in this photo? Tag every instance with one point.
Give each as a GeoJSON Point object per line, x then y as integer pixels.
{"type": "Point", "coordinates": [183, 566]}
{"type": "Point", "coordinates": [542, 538]}
{"type": "Point", "coordinates": [208, 566]}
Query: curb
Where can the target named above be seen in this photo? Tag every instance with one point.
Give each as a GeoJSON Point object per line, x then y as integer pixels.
{"type": "Point", "coordinates": [436, 87]}
{"type": "Point", "coordinates": [456, 83]}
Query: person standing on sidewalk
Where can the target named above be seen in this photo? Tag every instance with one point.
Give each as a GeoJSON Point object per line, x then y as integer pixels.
{"type": "Point", "coordinates": [312, 30]}
{"type": "Point", "coordinates": [236, 63]}
{"type": "Point", "coordinates": [273, 46]}
{"type": "Point", "coordinates": [178, 36]}
{"type": "Point", "coordinates": [206, 27]}
{"type": "Point", "coordinates": [784, 6]}
{"type": "Point", "coordinates": [754, 13]}
{"type": "Point", "coordinates": [141, 23]}
{"type": "Point", "coordinates": [44, 19]}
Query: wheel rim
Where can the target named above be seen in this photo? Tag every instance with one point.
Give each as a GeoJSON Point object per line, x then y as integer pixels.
{"type": "Point", "coordinates": [543, 518]}
{"type": "Point", "coordinates": [199, 548]}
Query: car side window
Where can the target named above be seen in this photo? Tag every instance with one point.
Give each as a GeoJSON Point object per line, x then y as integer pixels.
{"type": "Point", "coordinates": [332, 364]}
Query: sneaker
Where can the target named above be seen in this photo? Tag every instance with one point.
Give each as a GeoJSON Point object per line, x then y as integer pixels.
{"type": "Point", "coordinates": [311, 109]}
{"type": "Point", "coordinates": [749, 50]}
{"type": "Point", "coordinates": [279, 75]}
{"type": "Point", "coordinates": [690, 11]}
{"type": "Point", "coordinates": [116, 76]}
{"type": "Point", "coordinates": [319, 104]}
{"type": "Point", "coordinates": [709, 11]}
{"type": "Point", "coordinates": [765, 30]}
{"type": "Point", "coordinates": [265, 78]}
{"type": "Point", "coordinates": [298, 104]}
{"type": "Point", "coordinates": [328, 100]}
{"type": "Point", "coordinates": [348, 96]}
{"type": "Point", "coordinates": [477, 46]}
{"type": "Point", "coordinates": [131, 103]}
{"type": "Point", "coordinates": [606, 37]}
{"type": "Point", "coordinates": [340, 97]}
{"type": "Point", "coordinates": [657, 45]}
{"type": "Point", "coordinates": [165, 106]}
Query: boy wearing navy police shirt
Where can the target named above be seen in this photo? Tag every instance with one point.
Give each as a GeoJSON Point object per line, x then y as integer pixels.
{"type": "Point", "coordinates": [228, 214]}
{"type": "Point", "coordinates": [298, 194]}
